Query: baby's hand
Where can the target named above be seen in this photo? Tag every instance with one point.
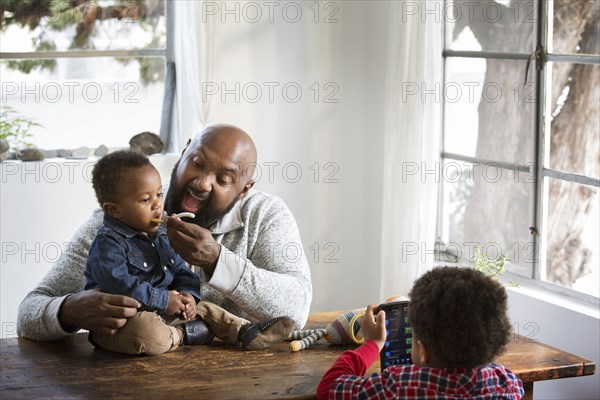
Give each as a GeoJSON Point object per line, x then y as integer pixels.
{"type": "Point", "coordinates": [176, 303]}
{"type": "Point", "coordinates": [190, 306]}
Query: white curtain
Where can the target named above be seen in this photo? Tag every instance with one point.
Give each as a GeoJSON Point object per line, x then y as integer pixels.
{"type": "Point", "coordinates": [195, 57]}
{"type": "Point", "coordinates": [411, 146]}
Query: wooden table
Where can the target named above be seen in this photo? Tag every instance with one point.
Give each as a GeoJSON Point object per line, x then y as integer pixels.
{"type": "Point", "coordinates": [74, 369]}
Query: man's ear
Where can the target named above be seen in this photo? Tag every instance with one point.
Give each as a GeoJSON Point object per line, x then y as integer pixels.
{"type": "Point", "coordinates": [112, 209]}
{"type": "Point", "coordinates": [247, 187]}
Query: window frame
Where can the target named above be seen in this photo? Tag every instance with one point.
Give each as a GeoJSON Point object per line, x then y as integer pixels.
{"type": "Point", "coordinates": [540, 58]}
{"type": "Point", "coordinates": [167, 54]}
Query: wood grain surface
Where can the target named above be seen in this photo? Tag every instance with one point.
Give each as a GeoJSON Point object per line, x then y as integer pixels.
{"type": "Point", "coordinates": [74, 369]}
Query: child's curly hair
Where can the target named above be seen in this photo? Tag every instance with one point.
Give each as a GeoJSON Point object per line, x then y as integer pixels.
{"type": "Point", "coordinates": [460, 315]}
{"type": "Point", "coordinates": [112, 170]}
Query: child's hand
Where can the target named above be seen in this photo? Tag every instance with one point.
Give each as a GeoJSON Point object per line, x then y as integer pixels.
{"type": "Point", "coordinates": [373, 326]}
{"type": "Point", "coordinates": [176, 303]}
{"type": "Point", "coordinates": [190, 306]}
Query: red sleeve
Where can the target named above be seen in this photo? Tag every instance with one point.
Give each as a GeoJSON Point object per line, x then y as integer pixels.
{"type": "Point", "coordinates": [351, 362]}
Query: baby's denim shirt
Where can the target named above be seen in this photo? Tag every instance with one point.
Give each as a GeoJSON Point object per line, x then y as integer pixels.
{"type": "Point", "coordinates": [124, 261]}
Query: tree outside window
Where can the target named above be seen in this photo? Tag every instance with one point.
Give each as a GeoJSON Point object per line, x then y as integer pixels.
{"type": "Point", "coordinates": [528, 150]}
{"type": "Point", "coordinates": [90, 72]}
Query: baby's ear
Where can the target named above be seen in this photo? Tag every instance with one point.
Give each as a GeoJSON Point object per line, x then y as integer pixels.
{"type": "Point", "coordinates": [111, 209]}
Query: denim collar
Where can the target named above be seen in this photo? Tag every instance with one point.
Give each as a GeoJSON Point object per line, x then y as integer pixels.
{"type": "Point", "coordinates": [127, 231]}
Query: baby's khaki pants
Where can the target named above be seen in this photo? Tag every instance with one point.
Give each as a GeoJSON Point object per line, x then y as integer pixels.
{"type": "Point", "coordinates": [148, 333]}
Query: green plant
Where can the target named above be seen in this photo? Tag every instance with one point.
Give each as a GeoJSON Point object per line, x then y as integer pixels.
{"type": "Point", "coordinates": [491, 267]}
{"type": "Point", "coordinates": [15, 128]}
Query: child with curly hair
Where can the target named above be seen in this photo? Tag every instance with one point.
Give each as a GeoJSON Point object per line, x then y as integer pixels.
{"type": "Point", "coordinates": [460, 325]}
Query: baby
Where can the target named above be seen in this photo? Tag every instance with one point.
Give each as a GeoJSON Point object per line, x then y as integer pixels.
{"type": "Point", "coordinates": [131, 256]}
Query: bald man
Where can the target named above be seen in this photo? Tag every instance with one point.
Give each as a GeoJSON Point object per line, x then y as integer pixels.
{"type": "Point", "coordinates": [237, 243]}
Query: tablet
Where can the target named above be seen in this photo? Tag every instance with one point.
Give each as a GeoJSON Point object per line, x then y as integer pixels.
{"type": "Point", "coordinates": [398, 343]}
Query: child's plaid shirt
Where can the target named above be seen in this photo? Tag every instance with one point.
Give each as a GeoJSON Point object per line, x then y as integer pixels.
{"type": "Point", "coordinates": [345, 381]}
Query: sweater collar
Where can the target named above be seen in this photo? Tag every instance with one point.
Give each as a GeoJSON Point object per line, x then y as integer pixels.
{"type": "Point", "coordinates": [230, 221]}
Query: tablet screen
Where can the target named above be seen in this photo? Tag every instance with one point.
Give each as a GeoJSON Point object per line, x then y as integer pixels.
{"type": "Point", "coordinates": [398, 343]}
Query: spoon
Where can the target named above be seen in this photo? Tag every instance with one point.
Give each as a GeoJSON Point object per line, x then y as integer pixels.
{"type": "Point", "coordinates": [180, 215]}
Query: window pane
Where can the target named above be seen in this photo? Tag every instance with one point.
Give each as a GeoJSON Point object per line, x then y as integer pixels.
{"type": "Point", "coordinates": [488, 112]}
{"type": "Point", "coordinates": [87, 101]}
{"type": "Point", "coordinates": [82, 25]}
{"type": "Point", "coordinates": [574, 27]}
{"type": "Point", "coordinates": [573, 236]}
{"type": "Point", "coordinates": [575, 141]}
{"type": "Point", "coordinates": [490, 25]}
{"type": "Point", "coordinates": [487, 206]}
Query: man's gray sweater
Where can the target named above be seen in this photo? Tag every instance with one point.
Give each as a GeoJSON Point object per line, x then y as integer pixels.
{"type": "Point", "coordinates": [261, 273]}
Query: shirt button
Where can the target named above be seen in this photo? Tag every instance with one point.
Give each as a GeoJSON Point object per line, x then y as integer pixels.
{"type": "Point", "coordinates": [165, 267]}
{"type": "Point", "coordinates": [145, 264]}
{"type": "Point", "coordinates": [172, 261]}
{"type": "Point", "coordinates": [153, 245]}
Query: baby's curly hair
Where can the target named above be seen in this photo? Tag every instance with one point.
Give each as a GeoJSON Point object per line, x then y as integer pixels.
{"type": "Point", "coordinates": [460, 315]}
{"type": "Point", "coordinates": [114, 169]}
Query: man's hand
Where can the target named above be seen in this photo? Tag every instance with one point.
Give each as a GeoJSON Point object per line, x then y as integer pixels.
{"type": "Point", "coordinates": [194, 243]}
{"type": "Point", "coordinates": [97, 311]}
{"type": "Point", "coordinates": [373, 326]}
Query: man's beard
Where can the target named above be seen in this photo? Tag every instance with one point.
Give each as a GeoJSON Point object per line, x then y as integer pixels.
{"type": "Point", "coordinates": [205, 217]}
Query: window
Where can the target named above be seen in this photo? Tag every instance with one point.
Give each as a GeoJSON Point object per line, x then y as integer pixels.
{"type": "Point", "coordinates": [89, 72]}
{"type": "Point", "coordinates": [521, 139]}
